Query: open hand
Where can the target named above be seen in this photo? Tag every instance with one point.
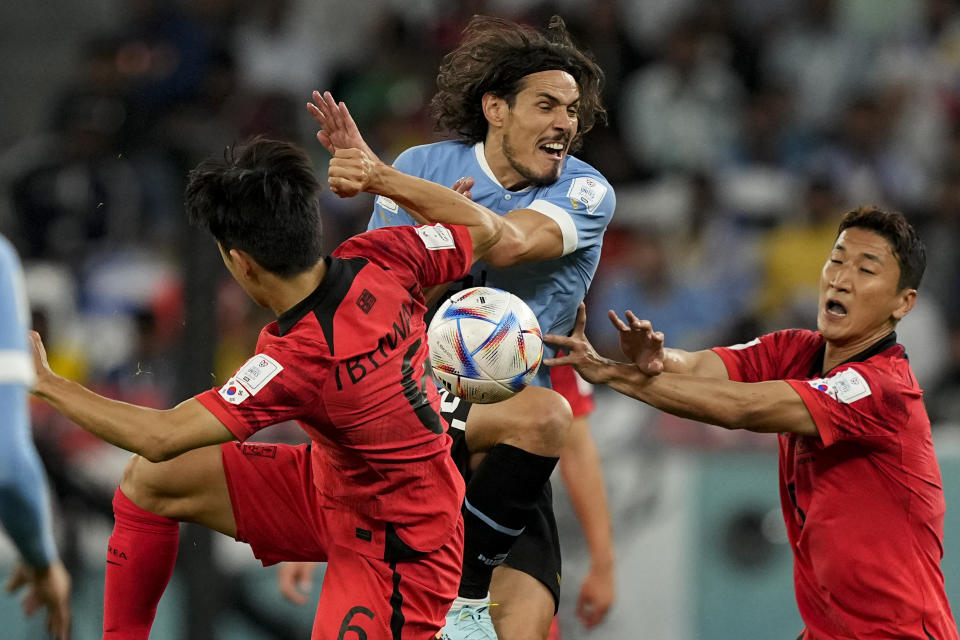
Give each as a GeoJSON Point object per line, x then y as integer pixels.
{"type": "Point", "coordinates": [579, 352]}
{"type": "Point", "coordinates": [295, 580]}
{"type": "Point", "coordinates": [338, 130]}
{"type": "Point", "coordinates": [639, 342]}
{"type": "Point", "coordinates": [49, 588]}
{"type": "Point", "coordinates": [597, 592]}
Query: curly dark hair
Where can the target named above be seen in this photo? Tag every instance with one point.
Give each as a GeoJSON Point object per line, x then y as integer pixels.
{"type": "Point", "coordinates": [904, 241]}
{"type": "Point", "coordinates": [495, 56]}
{"type": "Point", "coordinates": [260, 197]}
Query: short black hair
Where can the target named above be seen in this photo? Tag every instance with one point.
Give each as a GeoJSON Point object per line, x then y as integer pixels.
{"type": "Point", "coordinates": [261, 197]}
{"type": "Point", "coordinates": [495, 56]}
{"type": "Point", "coordinates": [903, 238]}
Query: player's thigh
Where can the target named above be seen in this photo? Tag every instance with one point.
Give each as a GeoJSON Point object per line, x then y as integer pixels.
{"type": "Point", "coordinates": [536, 420]}
{"type": "Point", "coordinates": [189, 488]}
{"type": "Point", "coordinates": [525, 606]}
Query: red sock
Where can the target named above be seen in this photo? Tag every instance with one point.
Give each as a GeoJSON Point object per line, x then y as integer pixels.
{"type": "Point", "coordinates": [140, 558]}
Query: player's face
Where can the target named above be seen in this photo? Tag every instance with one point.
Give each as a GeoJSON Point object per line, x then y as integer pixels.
{"type": "Point", "coordinates": [538, 129]}
{"type": "Point", "coordinates": [859, 300]}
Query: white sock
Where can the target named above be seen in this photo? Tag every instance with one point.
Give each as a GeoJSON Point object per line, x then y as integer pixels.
{"type": "Point", "coordinates": [459, 602]}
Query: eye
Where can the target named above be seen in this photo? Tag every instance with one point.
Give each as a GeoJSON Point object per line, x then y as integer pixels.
{"type": "Point", "coordinates": [836, 261]}
{"type": "Point", "coordinates": [865, 270]}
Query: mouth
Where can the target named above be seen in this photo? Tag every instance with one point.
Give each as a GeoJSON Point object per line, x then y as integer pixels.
{"type": "Point", "coordinates": [554, 148]}
{"type": "Point", "coordinates": [835, 309]}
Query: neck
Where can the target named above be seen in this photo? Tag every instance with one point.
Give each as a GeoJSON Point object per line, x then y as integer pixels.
{"type": "Point", "coordinates": [282, 294]}
{"type": "Point", "coordinates": [502, 170]}
{"type": "Point", "coordinates": [835, 354]}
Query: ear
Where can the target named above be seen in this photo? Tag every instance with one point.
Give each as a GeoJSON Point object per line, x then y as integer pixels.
{"type": "Point", "coordinates": [494, 109]}
{"type": "Point", "coordinates": [907, 300]}
{"type": "Point", "coordinates": [244, 264]}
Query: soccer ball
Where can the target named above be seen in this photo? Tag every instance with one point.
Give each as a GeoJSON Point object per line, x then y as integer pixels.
{"type": "Point", "coordinates": [485, 344]}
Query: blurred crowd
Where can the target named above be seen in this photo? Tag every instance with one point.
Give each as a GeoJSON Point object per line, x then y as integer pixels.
{"type": "Point", "coordinates": [738, 133]}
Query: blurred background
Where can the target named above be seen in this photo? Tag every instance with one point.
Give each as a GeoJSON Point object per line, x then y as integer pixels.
{"type": "Point", "coordinates": [739, 132]}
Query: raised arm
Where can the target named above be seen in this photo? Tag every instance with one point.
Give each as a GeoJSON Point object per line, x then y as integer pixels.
{"type": "Point", "coordinates": [337, 127]}
{"type": "Point", "coordinates": [156, 435]}
{"type": "Point", "coordinates": [353, 170]}
{"type": "Point", "coordinates": [771, 406]}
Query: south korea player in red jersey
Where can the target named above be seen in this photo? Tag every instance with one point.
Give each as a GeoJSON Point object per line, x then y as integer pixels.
{"type": "Point", "coordinates": [860, 487]}
{"type": "Point", "coordinates": [375, 494]}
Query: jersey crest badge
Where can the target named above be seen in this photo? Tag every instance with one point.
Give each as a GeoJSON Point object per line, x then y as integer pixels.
{"type": "Point", "coordinates": [586, 192]}
{"type": "Point", "coordinates": [250, 378]}
{"type": "Point", "coordinates": [436, 237]}
{"type": "Point", "coordinates": [847, 386]}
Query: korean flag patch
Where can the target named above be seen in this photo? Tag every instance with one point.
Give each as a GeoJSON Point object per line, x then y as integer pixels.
{"type": "Point", "coordinates": [250, 378]}
{"type": "Point", "coordinates": [847, 387]}
{"type": "Point", "coordinates": [588, 192]}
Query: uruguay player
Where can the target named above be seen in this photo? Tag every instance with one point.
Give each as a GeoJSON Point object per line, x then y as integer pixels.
{"type": "Point", "coordinates": [24, 507]}
{"type": "Point", "coordinates": [520, 100]}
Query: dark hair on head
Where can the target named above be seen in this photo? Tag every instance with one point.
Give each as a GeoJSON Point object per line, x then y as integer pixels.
{"type": "Point", "coordinates": [495, 56]}
{"type": "Point", "coordinates": [261, 198]}
{"type": "Point", "coordinates": [904, 241]}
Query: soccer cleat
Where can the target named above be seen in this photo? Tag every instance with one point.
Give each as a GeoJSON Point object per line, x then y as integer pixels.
{"type": "Point", "coordinates": [469, 623]}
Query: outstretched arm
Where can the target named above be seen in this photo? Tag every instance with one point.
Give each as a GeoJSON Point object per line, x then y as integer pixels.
{"type": "Point", "coordinates": [154, 434]}
{"type": "Point", "coordinates": [771, 406]}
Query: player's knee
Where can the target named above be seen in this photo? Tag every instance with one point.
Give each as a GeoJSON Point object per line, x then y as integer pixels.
{"type": "Point", "coordinates": [548, 423]}
{"type": "Point", "coordinates": [144, 486]}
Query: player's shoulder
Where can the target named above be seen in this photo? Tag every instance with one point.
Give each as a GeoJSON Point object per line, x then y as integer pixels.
{"type": "Point", "coordinates": [575, 168]}
{"type": "Point", "coordinates": [428, 155]}
{"type": "Point", "coordinates": [584, 186]}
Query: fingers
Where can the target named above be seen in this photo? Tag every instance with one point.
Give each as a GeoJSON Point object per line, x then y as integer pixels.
{"type": "Point", "coordinates": [581, 323]}
{"type": "Point", "coordinates": [58, 623]}
{"type": "Point", "coordinates": [617, 323]}
{"type": "Point", "coordinates": [463, 186]}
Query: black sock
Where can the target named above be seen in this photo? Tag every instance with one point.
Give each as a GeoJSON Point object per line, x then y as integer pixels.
{"type": "Point", "coordinates": [501, 497]}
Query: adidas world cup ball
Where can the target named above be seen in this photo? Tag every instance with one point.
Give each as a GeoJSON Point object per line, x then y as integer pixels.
{"type": "Point", "coordinates": [485, 344]}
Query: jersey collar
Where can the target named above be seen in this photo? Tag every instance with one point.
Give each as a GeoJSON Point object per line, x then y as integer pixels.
{"type": "Point", "coordinates": [877, 347]}
{"type": "Point", "coordinates": [292, 316]}
{"type": "Point", "coordinates": [478, 151]}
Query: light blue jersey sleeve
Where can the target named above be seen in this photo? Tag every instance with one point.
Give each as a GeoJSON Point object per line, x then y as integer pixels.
{"type": "Point", "coordinates": [24, 505]}
{"type": "Point", "coordinates": [581, 202]}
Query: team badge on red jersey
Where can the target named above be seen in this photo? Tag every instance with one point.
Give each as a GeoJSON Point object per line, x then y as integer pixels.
{"type": "Point", "coordinates": [250, 378]}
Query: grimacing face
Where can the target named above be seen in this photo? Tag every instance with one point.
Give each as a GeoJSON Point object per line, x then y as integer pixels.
{"type": "Point", "coordinates": [859, 301]}
{"type": "Point", "coordinates": [538, 129]}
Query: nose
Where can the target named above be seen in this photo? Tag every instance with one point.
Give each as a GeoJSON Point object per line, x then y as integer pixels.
{"type": "Point", "coordinates": [564, 121]}
{"type": "Point", "coordinates": [840, 278]}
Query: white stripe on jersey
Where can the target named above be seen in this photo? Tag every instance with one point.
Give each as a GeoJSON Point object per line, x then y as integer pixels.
{"type": "Point", "coordinates": [563, 219]}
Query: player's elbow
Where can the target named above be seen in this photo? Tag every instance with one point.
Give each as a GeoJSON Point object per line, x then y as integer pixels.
{"type": "Point", "coordinates": [507, 252]}
{"type": "Point", "coordinates": [158, 447]}
{"type": "Point", "coordinates": [486, 236]}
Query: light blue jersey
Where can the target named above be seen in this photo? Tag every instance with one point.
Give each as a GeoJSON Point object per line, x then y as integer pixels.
{"type": "Point", "coordinates": [581, 202]}
{"type": "Point", "coordinates": [24, 510]}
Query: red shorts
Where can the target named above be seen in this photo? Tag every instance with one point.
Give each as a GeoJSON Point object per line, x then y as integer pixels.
{"type": "Point", "coordinates": [283, 518]}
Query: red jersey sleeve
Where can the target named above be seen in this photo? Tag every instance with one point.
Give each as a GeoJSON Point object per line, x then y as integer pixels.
{"type": "Point", "coordinates": [425, 255]}
{"type": "Point", "coordinates": [857, 402]}
{"type": "Point", "coordinates": [768, 357]}
{"type": "Point", "coordinates": [268, 389]}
